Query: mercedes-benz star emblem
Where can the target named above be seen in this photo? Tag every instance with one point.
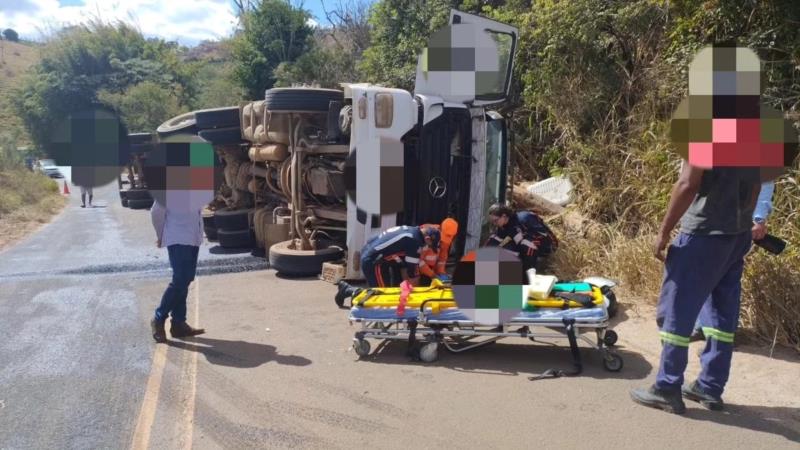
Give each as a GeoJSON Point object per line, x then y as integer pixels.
{"type": "Point", "coordinates": [437, 187]}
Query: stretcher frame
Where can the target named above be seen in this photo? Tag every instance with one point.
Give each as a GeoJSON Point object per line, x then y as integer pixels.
{"type": "Point", "coordinates": [457, 336]}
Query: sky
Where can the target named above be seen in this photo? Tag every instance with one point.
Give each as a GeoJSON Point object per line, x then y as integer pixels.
{"type": "Point", "coordinates": [185, 21]}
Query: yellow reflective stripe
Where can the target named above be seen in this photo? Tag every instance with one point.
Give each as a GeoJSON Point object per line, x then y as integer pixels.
{"type": "Point", "coordinates": [722, 336]}
{"type": "Point", "coordinates": [674, 339]}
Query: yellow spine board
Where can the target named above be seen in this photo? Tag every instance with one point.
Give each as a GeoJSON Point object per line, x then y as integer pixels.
{"type": "Point", "coordinates": [554, 302]}
{"type": "Point", "coordinates": [439, 298]}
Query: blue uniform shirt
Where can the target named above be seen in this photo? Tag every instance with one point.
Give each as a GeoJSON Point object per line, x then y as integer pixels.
{"type": "Point", "coordinates": [397, 244]}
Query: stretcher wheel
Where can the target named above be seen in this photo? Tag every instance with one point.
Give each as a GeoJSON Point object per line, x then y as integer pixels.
{"type": "Point", "coordinates": [361, 347]}
{"type": "Point", "coordinates": [610, 338]}
{"type": "Point", "coordinates": [612, 362]}
{"type": "Point", "coordinates": [429, 352]}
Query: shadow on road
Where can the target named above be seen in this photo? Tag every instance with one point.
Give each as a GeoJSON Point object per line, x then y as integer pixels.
{"type": "Point", "coordinates": [218, 250]}
{"type": "Point", "coordinates": [780, 421]}
{"type": "Point", "coordinates": [515, 360]}
{"type": "Point", "coordinates": [239, 354]}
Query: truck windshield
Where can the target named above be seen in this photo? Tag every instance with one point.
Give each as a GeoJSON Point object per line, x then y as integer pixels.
{"type": "Point", "coordinates": [495, 166]}
{"type": "Point", "coordinates": [494, 85]}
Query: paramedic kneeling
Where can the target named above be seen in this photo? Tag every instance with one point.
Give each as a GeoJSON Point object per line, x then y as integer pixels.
{"type": "Point", "coordinates": [396, 250]}
{"type": "Point", "coordinates": [523, 233]}
{"type": "Point", "coordinates": [703, 264]}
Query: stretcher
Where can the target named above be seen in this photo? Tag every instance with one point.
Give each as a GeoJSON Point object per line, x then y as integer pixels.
{"type": "Point", "coordinates": [430, 319]}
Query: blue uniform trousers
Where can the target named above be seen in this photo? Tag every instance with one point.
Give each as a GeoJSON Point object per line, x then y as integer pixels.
{"type": "Point", "coordinates": [700, 269]}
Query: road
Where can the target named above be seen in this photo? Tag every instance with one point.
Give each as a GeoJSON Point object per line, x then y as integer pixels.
{"type": "Point", "coordinates": [78, 368]}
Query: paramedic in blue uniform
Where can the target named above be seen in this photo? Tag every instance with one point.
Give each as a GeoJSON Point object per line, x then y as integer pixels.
{"type": "Point", "coordinates": [759, 230]}
{"type": "Point", "coordinates": [523, 233]}
{"type": "Point", "coordinates": [395, 252]}
{"type": "Point", "coordinates": [704, 262]}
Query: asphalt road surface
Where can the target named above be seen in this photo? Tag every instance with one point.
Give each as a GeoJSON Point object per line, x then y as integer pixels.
{"type": "Point", "coordinates": [78, 368]}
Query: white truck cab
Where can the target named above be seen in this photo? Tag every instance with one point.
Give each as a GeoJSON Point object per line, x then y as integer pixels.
{"type": "Point", "coordinates": [437, 153]}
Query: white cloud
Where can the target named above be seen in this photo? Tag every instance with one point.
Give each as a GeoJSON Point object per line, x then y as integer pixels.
{"type": "Point", "coordinates": [185, 21]}
{"type": "Point", "coordinates": [312, 23]}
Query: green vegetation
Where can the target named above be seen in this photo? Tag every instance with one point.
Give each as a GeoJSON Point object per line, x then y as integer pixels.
{"type": "Point", "coordinates": [11, 35]}
{"type": "Point", "coordinates": [96, 62]}
{"type": "Point", "coordinates": [275, 32]}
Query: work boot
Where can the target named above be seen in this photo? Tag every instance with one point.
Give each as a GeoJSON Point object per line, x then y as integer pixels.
{"type": "Point", "coordinates": [182, 329]}
{"type": "Point", "coordinates": [695, 393]}
{"type": "Point", "coordinates": [659, 399]}
{"type": "Point", "coordinates": [159, 334]}
{"type": "Point", "coordinates": [345, 291]}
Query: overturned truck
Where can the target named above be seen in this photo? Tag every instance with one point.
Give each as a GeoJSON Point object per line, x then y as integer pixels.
{"type": "Point", "coordinates": [306, 170]}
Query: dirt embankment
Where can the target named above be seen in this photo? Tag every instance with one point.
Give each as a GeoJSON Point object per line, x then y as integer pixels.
{"type": "Point", "coordinates": [27, 201]}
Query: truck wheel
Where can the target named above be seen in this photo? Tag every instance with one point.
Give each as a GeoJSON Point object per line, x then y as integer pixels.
{"type": "Point", "coordinates": [232, 220]}
{"type": "Point", "coordinates": [301, 99]}
{"type": "Point", "coordinates": [206, 119]}
{"type": "Point", "coordinates": [613, 306]}
{"type": "Point", "coordinates": [124, 202]}
{"type": "Point", "coordinates": [140, 203]}
{"type": "Point", "coordinates": [211, 233]}
{"type": "Point", "coordinates": [300, 262]}
{"type": "Point", "coordinates": [222, 136]}
{"type": "Point", "coordinates": [140, 138]}
{"type": "Point", "coordinates": [138, 194]}
{"type": "Point", "coordinates": [235, 239]}
{"type": "Point", "coordinates": [185, 123]}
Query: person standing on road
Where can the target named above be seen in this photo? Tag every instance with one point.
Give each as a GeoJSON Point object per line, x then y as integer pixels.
{"type": "Point", "coordinates": [86, 190]}
{"type": "Point", "coordinates": [181, 231]}
{"type": "Point", "coordinates": [705, 261]}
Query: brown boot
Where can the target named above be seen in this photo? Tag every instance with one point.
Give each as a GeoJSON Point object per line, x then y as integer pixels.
{"type": "Point", "coordinates": [182, 329]}
{"type": "Point", "coordinates": [159, 334]}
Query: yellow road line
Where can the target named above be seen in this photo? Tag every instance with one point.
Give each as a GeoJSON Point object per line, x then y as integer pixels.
{"type": "Point", "coordinates": [188, 424]}
{"type": "Point", "coordinates": [147, 414]}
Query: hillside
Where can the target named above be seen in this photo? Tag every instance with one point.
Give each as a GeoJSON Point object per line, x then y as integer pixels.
{"type": "Point", "coordinates": [15, 59]}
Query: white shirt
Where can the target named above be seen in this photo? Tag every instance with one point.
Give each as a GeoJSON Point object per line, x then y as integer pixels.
{"type": "Point", "coordinates": [177, 227]}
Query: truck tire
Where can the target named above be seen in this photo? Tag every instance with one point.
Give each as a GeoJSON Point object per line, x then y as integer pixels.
{"type": "Point", "coordinates": [138, 194]}
{"type": "Point", "coordinates": [301, 99]}
{"type": "Point", "coordinates": [227, 117]}
{"type": "Point", "coordinates": [124, 202]}
{"type": "Point", "coordinates": [235, 239]}
{"type": "Point", "coordinates": [140, 203]}
{"type": "Point", "coordinates": [222, 136]}
{"type": "Point", "coordinates": [140, 138]}
{"type": "Point", "coordinates": [184, 123]}
{"type": "Point", "coordinates": [211, 233]}
{"type": "Point", "coordinates": [232, 220]}
{"type": "Point", "coordinates": [301, 263]}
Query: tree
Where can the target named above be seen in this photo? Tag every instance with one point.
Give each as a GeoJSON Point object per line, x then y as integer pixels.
{"type": "Point", "coordinates": [333, 58]}
{"type": "Point", "coordinates": [273, 33]}
{"type": "Point", "coordinates": [11, 35]}
{"type": "Point", "coordinates": [144, 106]}
{"type": "Point", "coordinates": [81, 61]}
{"type": "Point", "coordinates": [400, 30]}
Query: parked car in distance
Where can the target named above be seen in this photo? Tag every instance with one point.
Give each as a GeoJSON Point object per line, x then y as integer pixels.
{"type": "Point", "coordinates": [48, 167]}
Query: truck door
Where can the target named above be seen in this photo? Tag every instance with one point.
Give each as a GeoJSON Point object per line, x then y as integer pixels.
{"type": "Point", "coordinates": [470, 61]}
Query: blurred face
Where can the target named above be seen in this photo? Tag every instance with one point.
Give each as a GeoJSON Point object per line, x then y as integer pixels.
{"type": "Point", "coordinates": [498, 221]}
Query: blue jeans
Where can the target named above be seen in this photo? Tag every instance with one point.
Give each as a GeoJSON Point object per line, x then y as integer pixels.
{"type": "Point", "coordinates": [183, 260]}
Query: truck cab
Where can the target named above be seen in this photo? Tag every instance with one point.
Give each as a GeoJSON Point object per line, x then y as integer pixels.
{"type": "Point", "coordinates": [439, 152]}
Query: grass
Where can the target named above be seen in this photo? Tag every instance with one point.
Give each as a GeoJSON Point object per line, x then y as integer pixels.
{"type": "Point", "coordinates": [27, 200]}
{"type": "Point", "coordinates": [15, 59]}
